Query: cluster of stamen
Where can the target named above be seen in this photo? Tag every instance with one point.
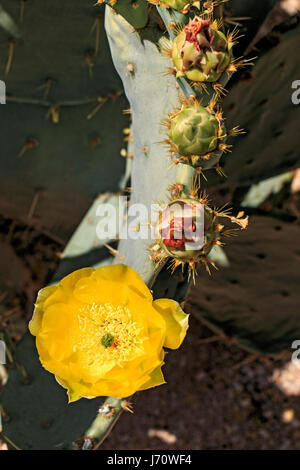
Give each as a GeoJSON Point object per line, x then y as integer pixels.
{"type": "Point", "coordinates": [115, 335]}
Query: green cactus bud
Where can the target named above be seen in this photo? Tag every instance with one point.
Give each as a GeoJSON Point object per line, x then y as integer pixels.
{"type": "Point", "coordinates": [197, 135]}
{"type": "Point", "coordinates": [201, 52]}
{"type": "Point", "coordinates": [194, 131]}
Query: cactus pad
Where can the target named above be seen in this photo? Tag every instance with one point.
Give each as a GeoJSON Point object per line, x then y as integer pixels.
{"type": "Point", "coordinates": [237, 300]}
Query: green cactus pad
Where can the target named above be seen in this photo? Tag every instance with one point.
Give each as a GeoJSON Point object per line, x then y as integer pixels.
{"type": "Point", "coordinates": [134, 11]}
{"type": "Point", "coordinates": [200, 52]}
{"type": "Point", "coordinates": [194, 131]}
{"type": "Point", "coordinates": [67, 164]}
{"type": "Point", "coordinates": [236, 300]}
{"type": "Point", "coordinates": [263, 107]}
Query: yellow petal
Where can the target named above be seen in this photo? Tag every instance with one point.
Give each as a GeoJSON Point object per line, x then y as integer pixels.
{"type": "Point", "coordinates": [69, 282]}
{"type": "Point", "coordinates": [176, 321]}
{"type": "Point", "coordinates": [156, 378]}
{"type": "Point", "coordinates": [36, 321]}
{"type": "Point", "coordinates": [121, 273]}
{"type": "Point", "coordinates": [65, 288]}
{"type": "Point", "coordinates": [60, 331]}
{"type": "Point", "coordinates": [91, 290]}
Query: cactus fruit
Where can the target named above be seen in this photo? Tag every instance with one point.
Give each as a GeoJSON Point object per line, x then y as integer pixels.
{"type": "Point", "coordinates": [201, 52]}
{"type": "Point", "coordinates": [187, 229]}
{"type": "Point", "coordinates": [197, 134]}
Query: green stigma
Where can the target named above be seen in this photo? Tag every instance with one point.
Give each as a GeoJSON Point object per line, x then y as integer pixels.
{"type": "Point", "coordinates": [107, 340]}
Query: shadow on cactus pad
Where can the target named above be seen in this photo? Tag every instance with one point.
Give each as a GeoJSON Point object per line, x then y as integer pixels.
{"type": "Point", "coordinates": [251, 300]}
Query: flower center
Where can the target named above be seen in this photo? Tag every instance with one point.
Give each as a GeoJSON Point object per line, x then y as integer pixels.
{"type": "Point", "coordinates": [110, 333]}
{"type": "Point", "coordinates": [107, 340]}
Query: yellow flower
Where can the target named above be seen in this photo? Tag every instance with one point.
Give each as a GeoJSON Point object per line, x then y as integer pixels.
{"type": "Point", "coordinates": [100, 332]}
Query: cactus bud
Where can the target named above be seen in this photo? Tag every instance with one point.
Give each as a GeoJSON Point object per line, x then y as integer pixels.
{"type": "Point", "coordinates": [187, 229]}
{"type": "Point", "coordinates": [197, 135]}
{"type": "Point", "coordinates": [201, 52]}
{"type": "Point", "coordinates": [194, 131]}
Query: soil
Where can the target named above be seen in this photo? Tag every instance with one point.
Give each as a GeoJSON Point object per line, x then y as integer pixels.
{"type": "Point", "coordinates": [212, 401]}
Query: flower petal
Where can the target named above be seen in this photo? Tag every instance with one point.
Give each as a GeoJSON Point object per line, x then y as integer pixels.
{"type": "Point", "coordinates": [121, 273]}
{"type": "Point", "coordinates": [64, 289]}
{"type": "Point", "coordinates": [156, 378]}
{"type": "Point", "coordinates": [176, 321]}
{"type": "Point", "coordinates": [60, 331]}
{"type": "Point", "coordinates": [36, 321]}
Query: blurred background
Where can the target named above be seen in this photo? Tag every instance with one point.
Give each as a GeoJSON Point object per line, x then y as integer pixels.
{"type": "Point", "coordinates": [64, 147]}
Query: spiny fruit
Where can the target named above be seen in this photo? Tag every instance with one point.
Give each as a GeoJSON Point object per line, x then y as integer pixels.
{"type": "Point", "coordinates": [194, 131]}
{"type": "Point", "coordinates": [201, 52]}
{"type": "Point", "coordinates": [197, 134]}
{"type": "Point", "coordinates": [187, 229]}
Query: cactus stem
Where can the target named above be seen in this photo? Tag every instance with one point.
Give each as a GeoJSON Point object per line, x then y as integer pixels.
{"type": "Point", "coordinates": [103, 425]}
{"type": "Point", "coordinates": [107, 410]}
{"type": "Point", "coordinates": [11, 47]}
{"type": "Point", "coordinates": [185, 176]}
